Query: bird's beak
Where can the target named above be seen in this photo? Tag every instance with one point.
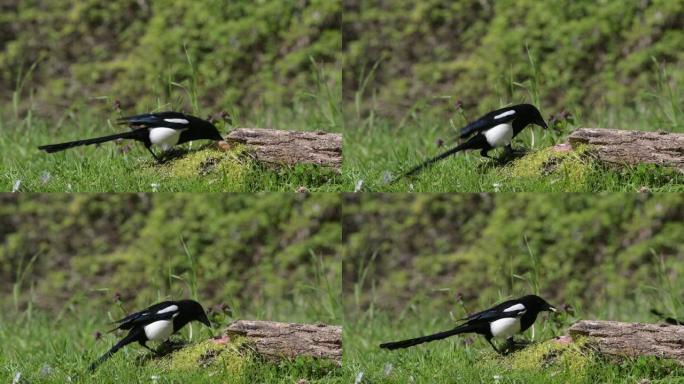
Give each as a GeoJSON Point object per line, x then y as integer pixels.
{"type": "Point", "coordinates": [204, 320]}
{"type": "Point", "coordinates": [542, 124]}
{"type": "Point", "coordinates": [553, 309]}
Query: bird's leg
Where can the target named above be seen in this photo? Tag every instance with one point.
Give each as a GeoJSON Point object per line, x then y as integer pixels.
{"type": "Point", "coordinates": [483, 153]}
{"type": "Point", "coordinates": [489, 340]}
{"type": "Point", "coordinates": [509, 344]}
{"type": "Point", "coordinates": [144, 344]}
{"type": "Point", "coordinates": [153, 155]}
{"type": "Point", "coordinates": [509, 151]}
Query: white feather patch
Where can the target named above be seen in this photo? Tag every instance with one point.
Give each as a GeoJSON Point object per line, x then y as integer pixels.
{"type": "Point", "coordinates": [177, 121]}
{"type": "Point", "coordinates": [506, 327]}
{"type": "Point", "coordinates": [516, 307]}
{"type": "Point", "coordinates": [499, 135]}
{"type": "Point", "coordinates": [170, 308]}
{"type": "Point", "coordinates": [507, 113]}
{"type": "Point", "coordinates": [159, 330]}
{"type": "Point", "coordinates": [164, 137]}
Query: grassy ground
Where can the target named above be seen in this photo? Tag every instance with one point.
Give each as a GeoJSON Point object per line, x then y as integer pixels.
{"type": "Point", "coordinates": [470, 359]}
{"type": "Point", "coordinates": [58, 349]}
{"type": "Point", "coordinates": [377, 155]}
{"type": "Point", "coordinates": [113, 167]}
{"type": "Point", "coordinates": [371, 319]}
{"type": "Point", "coordinates": [379, 148]}
{"type": "Point", "coordinates": [120, 167]}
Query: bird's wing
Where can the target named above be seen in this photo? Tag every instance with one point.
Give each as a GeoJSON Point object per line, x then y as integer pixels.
{"type": "Point", "coordinates": [510, 308]}
{"type": "Point", "coordinates": [494, 118]}
{"type": "Point", "coordinates": [162, 311]}
{"type": "Point", "coordinates": [174, 120]}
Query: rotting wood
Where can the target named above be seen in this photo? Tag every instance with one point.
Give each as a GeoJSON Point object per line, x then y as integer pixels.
{"type": "Point", "coordinates": [277, 147]}
{"type": "Point", "coordinates": [275, 340]}
{"type": "Point", "coordinates": [624, 147]}
{"type": "Point", "coordinates": [632, 339]}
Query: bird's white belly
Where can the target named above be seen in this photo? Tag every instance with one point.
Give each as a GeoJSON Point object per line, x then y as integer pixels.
{"type": "Point", "coordinates": [164, 137]}
{"type": "Point", "coordinates": [503, 328]}
{"type": "Point", "coordinates": [159, 330]}
{"type": "Point", "coordinates": [499, 135]}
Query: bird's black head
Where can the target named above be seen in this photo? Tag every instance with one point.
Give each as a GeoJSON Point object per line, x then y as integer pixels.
{"type": "Point", "coordinates": [194, 311]}
{"type": "Point", "coordinates": [211, 131]}
{"type": "Point", "coordinates": [532, 115]}
{"type": "Point", "coordinates": [201, 130]}
{"type": "Point", "coordinates": [536, 303]}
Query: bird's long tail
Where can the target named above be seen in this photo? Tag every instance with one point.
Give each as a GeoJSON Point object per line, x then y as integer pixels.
{"type": "Point", "coordinates": [136, 134]}
{"type": "Point", "coordinates": [132, 336]}
{"type": "Point", "coordinates": [424, 339]}
{"type": "Point", "coordinates": [470, 144]}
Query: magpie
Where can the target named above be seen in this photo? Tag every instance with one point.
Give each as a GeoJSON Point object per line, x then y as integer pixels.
{"type": "Point", "coordinates": [493, 130]}
{"type": "Point", "coordinates": [164, 129]}
{"type": "Point", "coordinates": [155, 323]}
{"type": "Point", "coordinates": [501, 321]}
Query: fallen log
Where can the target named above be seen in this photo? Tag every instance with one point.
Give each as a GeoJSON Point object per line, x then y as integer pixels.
{"type": "Point", "coordinates": [275, 340]}
{"type": "Point", "coordinates": [621, 147]}
{"type": "Point", "coordinates": [615, 338]}
{"type": "Point", "coordinates": [276, 147]}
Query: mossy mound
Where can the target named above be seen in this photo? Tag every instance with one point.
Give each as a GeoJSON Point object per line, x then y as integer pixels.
{"type": "Point", "coordinates": [570, 168]}
{"type": "Point", "coordinates": [232, 166]}
{"type": "Point", "coordinates": [233, 357]}
{"type": "Point", "coordinates": [566, 362]}
{"type": "Point", "coordinates": [554, 355]}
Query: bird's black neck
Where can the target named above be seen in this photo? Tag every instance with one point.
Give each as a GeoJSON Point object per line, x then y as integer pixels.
{"type": "Point", "coordinates": [527, 320]}
{"type": "Point", "coordinates": [180, 321]}
{"type": "Point", "coordinates": [519, 125]}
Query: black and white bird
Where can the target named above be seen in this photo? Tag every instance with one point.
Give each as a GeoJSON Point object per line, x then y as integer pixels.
{"type": "Point", "coordinates": [155, 323]}
{"type": "Point", "coordinates": [164, 130]}
{"type": "Point", "coordinates": [494, 130]}
{"type": "Point", "coordinates": [501, 321]}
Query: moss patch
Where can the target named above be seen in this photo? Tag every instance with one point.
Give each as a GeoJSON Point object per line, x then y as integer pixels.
{"type": "Point", "coordinates": [554, 356]}
{"type": "Point", "coordinates": [233, 357]}
{"type": "Point", "coordinates": [230, 167]}
{"type": "Point", "coordinates": [572, 169]}
{"type": "Point", "coordinates": [564, 362]}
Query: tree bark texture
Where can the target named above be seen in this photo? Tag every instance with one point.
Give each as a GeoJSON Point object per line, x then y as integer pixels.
{"type": "Point", "coordinates": [632, 339]}
{"type": "Point", "coordinates": [276, 147]}
{"type": "Point", "coordinates": [621, 147]}
{"type": "Point", "coordinates": [275, 340]}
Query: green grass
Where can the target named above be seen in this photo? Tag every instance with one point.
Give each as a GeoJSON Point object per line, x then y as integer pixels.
{"type": "Point", "coordinates": [107, 168]}
{"type": "Point", "coordinates": [128, 167]}
{"type": "Point", "coordinates": [58, 346]}
{"type": "Point", "coordinates": [469, 359]}
{"type": "Point", "coordinates": [381, 150]}
{"type": "Point", "coordinates": [379, 147]}
{"type": "Point", "coordinates": [50, 348]}
{"type": "Point", "coordinates": [371, 320]}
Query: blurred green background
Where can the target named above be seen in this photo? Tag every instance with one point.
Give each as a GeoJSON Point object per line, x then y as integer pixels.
{"type": "Point", "coordinates": [246, 57]}
{"type": "Point", "coordinates": [273, 256]}
{"type": "Point", "coordinates": [587, 57]}
{"type": "Point", "coordinates": [610, 255]}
